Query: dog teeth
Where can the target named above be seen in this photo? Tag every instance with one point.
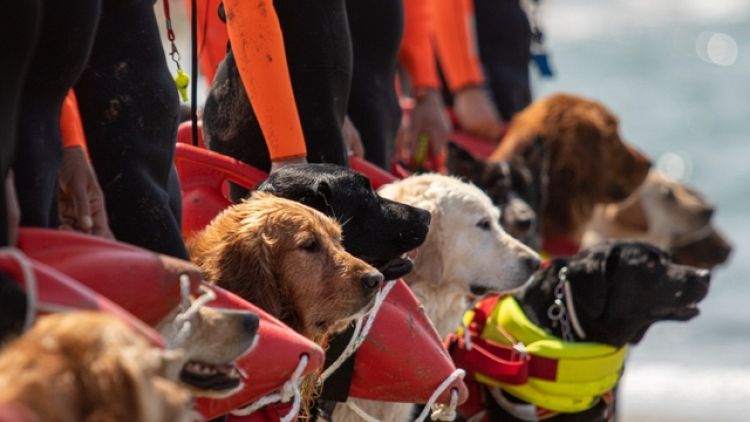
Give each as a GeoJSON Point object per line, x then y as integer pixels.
{"type": "Point", "coordinates": [200, 368]}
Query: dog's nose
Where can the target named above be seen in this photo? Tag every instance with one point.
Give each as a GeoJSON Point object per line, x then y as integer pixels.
{"type": "Point", "coordinates": [251, 322]}
{"type": "Point", "coordinates": [531, 262]}
{"type": "Point", "coordinates": [372, 279]}
{"type": "Point", "coordinates": [707, 213]}
{"type": "Point", "coordinates": [423, 217]}
{"type": "Point", "coordinates": [523, 224]}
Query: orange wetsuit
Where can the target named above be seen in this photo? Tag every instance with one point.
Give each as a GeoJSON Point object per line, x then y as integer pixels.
{"type": "Point", "coordinates": [71, 128]}
{"type": "Point", "coordinates": [442, 27]}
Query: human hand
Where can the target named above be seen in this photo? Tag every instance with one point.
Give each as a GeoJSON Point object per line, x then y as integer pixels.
{"type": "Point", "coordinates": [80, 199]}
{"type": "Point", "coordinates": [275, 165]}
{"type": "Point", "coordinates": [352, 139]}
{"type": "Point", "coordinates": [428, 120]}
{"type": "Point", "coordinates": [476, 114]}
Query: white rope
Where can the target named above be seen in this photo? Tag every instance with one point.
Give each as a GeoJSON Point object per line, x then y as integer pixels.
{"type": "Point", "coordinates": [360, 412]}
{"type": "Point", "coordinates": [360, 331]}
{"type": "Point", "coordinates": [182, 320]}
{"type": "Point", "coordinates": [289, 390]}
{"type": "Point", "coordinates": [32, 295]}
{"type": "Point", "coordinates": [442, 412]}
{"type": "Point", "coordinates": [467, 336]}
{"type": "Point", "coordinates": [572, 310]}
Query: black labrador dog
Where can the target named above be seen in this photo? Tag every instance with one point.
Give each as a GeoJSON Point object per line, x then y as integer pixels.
{"type": "Point", "coordinates": [509, 184]}
{"type": "Point", "coordinates": [619, 290]}
{"type": "Point", "coordinates": [376, 230]}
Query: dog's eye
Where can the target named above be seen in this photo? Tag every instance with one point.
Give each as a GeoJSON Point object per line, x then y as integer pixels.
{"type": "Point", "coordinates": [310, 245]}
{"type": "Point", "coordinates": [484, 224]}
{"type": "Point", "coordinates": [667, 193]}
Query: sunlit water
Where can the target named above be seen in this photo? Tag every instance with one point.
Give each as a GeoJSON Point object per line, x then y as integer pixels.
{"type": "Point", "coordinates": [677, 72]}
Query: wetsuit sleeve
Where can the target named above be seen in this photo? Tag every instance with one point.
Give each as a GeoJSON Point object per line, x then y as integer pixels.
{"type": "Point", "coordinates": [71, 128]}
{"type": "Point", "coordinates": [258, 46]}
{"type": "Point", "coordinates": [455, 42]}
{"type": "Point", "coordinates": [417, 54]}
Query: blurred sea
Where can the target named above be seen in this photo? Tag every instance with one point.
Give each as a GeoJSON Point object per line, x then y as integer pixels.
{"type": "Point", "coordinates": [677, 72]}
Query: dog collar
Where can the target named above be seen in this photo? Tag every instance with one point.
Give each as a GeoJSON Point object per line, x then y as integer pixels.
{"type": "Point", "coordinates": [563, 310]}
{"type": "Point", "coordinates": [512, 353]}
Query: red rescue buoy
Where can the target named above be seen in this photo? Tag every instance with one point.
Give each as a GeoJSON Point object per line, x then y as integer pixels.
{"type": "Point", "coordinates": [403, 359]}
{"type": "Point", "coordinates": [378, 177]}
{"type": "Point", "coordinates": [144, 283]}
{"type": "Point", "coordinates": [203, 177]}
{"type": "Point", "coordinates": [269, 364]}
{"type": "Point", "coordinates": [54, 291]}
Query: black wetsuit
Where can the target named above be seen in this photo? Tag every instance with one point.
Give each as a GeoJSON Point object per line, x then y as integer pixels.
{"type": "Point", "coordinates": [342, 59]}
{"type": "Point", "coordinates": [318, 53]}
{"type": "Point", "coordinates": [19, 25]}
{"type": "Point", "coordinates": [504, 38]}
{"type": "Point", "coordinates": [111, 53]}
{"type": "Point", "coordinates": [376, 29]}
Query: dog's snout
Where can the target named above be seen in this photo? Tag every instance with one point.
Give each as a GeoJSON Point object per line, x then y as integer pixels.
{"type": "Point", "coordinates": [523, 223]}
{"type": "Point", "coordinates": [703, 276]}
{"type": "Point", "coordinates": [531, 262]}
{"type": "Point", "coordinates": [251, 322]}
{"type": "Point", "coordinates": [372, 279]}
{"type": "Point", "coordinates": [423, 217]}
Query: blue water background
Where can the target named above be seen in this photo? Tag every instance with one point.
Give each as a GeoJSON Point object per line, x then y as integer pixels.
{"type": "Point", "coordinates": [677, 88]}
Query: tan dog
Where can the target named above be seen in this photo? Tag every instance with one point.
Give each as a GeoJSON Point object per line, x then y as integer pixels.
{"type": "Point", "coordinates": [583, 160]}
{"type": "Point", "coordinates": [288, 259]}
{"type": "Point", "coordinates": [465, 256]}
{"type": "Point", "coordinates": [217, 337]}
{"type": "Point", "coordinates": [88, 366]}
{"type": "Point", "coordinates": [663, 211]}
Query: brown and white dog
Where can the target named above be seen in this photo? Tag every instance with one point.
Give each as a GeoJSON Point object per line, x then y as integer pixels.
{"type": "Point", "coordinates": [575, 152]}
{"type": "Point", "coordinates": [89, 366]}
{"type": "Point", "coordinates": [465, 256]}
{"type": "Point", "coordinates": [204, 362]}
{"type": "Point", "coordinates": [664, 212]}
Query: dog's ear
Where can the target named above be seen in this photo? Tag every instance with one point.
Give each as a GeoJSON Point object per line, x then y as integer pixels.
{"type": "Point", "coordinates": [461, 163]}
{"type": "Point", "coordinates": [631, 215]}
{"type": "Point", "coordinates": [245, 267]}
{"type": "Point", "coordinates": [428, 264]}
{"type": "Point", "coordinates": [317, 196]}
{"type": "Point", "coordinates": [589, 278]}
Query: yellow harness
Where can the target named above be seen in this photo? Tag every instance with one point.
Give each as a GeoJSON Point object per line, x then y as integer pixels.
{"type": "Point", "coordinates": [558, 375]}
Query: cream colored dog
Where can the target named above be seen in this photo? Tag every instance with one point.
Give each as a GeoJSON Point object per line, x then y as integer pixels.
{"type": "Point", "coordinates": [465, 256]}
{"type": "Point", "coordinates": [662, 211]}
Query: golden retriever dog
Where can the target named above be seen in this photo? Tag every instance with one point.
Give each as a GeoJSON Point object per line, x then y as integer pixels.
{"type": "Point", "coordinates": [466, 255]}
{"type": "Point", "coordinates": [574, 148]}
{"type": "Point", "coordinates": [286, 258]}
{"type": "Point", "coordinates": [89, 366]}
{"type": "Point", "coordinates": [217, 337]}
{"type": "Point", "coordinates": [662, 211]}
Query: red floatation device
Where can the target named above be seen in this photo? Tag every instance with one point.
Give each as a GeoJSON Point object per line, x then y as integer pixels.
{"type": "Point", "coordinates": [388, 367]}
{"type": "Point", "coordinates": [403, 359]}
{"type": "Point", "coordinates": [52, 291]}
{"type": "Point", "coordinates": [144, 283]}
{"type": "Point", "coordinates": [203, 179]}
{"type": "Point", "coordinates": [270, 364]}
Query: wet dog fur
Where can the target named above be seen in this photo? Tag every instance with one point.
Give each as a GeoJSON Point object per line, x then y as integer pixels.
{"type": "Point", "coordinates": [287, 259]}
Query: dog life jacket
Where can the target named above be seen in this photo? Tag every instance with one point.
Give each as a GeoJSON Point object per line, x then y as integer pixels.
{"type": "Point", "coordinates": [510, 352]}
